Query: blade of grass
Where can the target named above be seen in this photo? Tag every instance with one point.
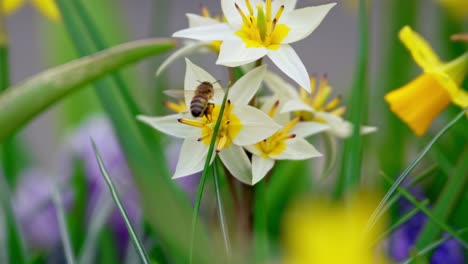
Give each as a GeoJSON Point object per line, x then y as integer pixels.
{"type": "Point", "coordinates": [428, 212]}
{"type": "Point", "coordinates": [25, 100]}
{"type": "Point", "coordinates": [352, 151]}
{"type": "Point", "coordinates": [139, 247]}
{"type": "Point", "coordinates": [407, 171]}
{"type": "Point", "coordinates": [221, 213]}
{"type": "Point", "coordinates": [14, 240]}
{"type": "Point", "coordinates": [205, 173]}
{"type": "Point", "coordinates": [446, 202]}
{"type": "Point", "coordinates": [260, 225]}
{"type": "Point", "coordinates": [434, 245]}
{"type": "Point", "coordinates": [64, 235]}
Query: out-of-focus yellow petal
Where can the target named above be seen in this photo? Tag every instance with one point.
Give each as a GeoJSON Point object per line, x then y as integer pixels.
{"type": "Point", "coordinates": [462, 99]}
{"type": "Point", "coordinates": [323, 232]}
{"type": "Point", "coordinates": [48, 8]}
{"type": "Point", "coordinates": [419, 102]}
{"type": "Point", "coordinates": [420, 50]}
{"type": "Point", "coordinates": [459, 8]}
{"type": "Point", "coordinates": [10, 6]}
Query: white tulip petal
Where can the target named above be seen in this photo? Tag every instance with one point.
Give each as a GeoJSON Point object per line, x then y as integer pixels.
{"type": "Point", "coordinates": [289, 5]}
{"type": "Point", "coordinates": [268, 103]}
{"type": "Point", "coordinates": [234, 53]}
{"type": "Point", "coordinates": [340, 127]}
{"type": "Point", "coordinates": [305, 129]}
{"type": "Point", "coordinates": [171, 126]}
{"type": "Point", "coordinates": [220, 31]}
{"type": "Point", "coordinates": [256, 125]}
{"type": "Point", "coordinates": [182, 52]}
{"type": "Point", "coordinates": [287, 60]}
{"type": "Point", "coordinates": [302, 22]}
{"type": "Point", "coordinates": [246, 87]}
{"type": "Point", "coordinates": [296, 105]}
{"type": "Point", "coordinates": [192, 158]}
{"type": "Point", "coordinates": [236, 161]}
{"type": "Point", "coordinates": [252, 149]}
{"type": "Point", "coordinates": [280, 87]}
{"type": "Point", "coordinates": [232, 15]}
{"type": "Point", "coordinates": [297, 149]}
{"type": "Point", "coordinates": [260, 168]}
{"type": "Point", "coordinates": [193, 76]}
{"type": "Point", "coordinates": [195, 20]}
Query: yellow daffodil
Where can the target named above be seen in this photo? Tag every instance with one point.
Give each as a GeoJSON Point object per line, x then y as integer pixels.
{"type": "Point", "coordinates": [420, 101]}
{"type": "Point", "coordinates": [324, 232]}
{"type": "Point", "coordinates": [47, 7]}
{"type": "Point", "coordinates": [459, 8]}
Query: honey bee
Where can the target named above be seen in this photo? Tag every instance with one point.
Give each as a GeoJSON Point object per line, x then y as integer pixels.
{"type": "Point", "coordinates": [201, 103]}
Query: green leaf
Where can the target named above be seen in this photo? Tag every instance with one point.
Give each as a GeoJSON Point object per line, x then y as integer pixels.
{"type": "Point", "coordinates": [139, 247]}
{"type": "Point", "coordinates": [352, 151]}
{"type": "Point", "coordinates": [260, 225]}
{"type": "Point", "coordinates": [27, 99]}
{"type": "Point", "coordinates": [221, 211]}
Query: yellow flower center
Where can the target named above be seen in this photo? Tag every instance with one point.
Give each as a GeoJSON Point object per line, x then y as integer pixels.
{"type": "Point", "coordinates": [262, 30]}
{"type": "Point", "coordinates": [319, 100]}
{"type": "Point", "coordinates": [228, 130]}
{"type": "Point", "coordinates": [275, 144]}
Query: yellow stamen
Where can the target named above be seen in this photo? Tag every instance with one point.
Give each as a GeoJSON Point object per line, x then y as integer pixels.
{"type": "Point", "coordinates": [176, 107]}
{"type": "Point", "coordinates": [249, 7]}
{"type": "Point", "coordinates": [205, 12]}
{"type": "Point", "coordinates": [279, 13]}
{"type": "Point", "coordinates": [221, 143]}
{"type": "Point", "coordinates": [244, 17]}
{"type": "Point", "coordinates": [191, 122]}
{"type": "Point", "coordinates": [268, 10]}
{"type": "Point", "coordinates": [340, 111]}
{"type": "Point", "coordinates": [332, 104]}
{"type": "Point", "coordinates": [273, 109]}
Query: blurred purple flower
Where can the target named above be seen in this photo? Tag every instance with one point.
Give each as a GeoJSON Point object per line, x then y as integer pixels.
{"type": "Point", "coordinates": [100, 130]}
{"type": "Point", "coordinates": [403, 239]}
{"type": "Point", "coordinates": [35, 210]}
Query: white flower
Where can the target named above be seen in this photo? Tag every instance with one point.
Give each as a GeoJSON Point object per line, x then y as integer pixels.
{"type": "Point", "coordinates": [315, 106]}
{"type": "Point", "coordinates": [256, 28]}
{"type": "Point", "coordinates": [241, 125]}
{"type": "Point", "coordinates": [189, 47]}
{"type": "Point", "coordinates": [288, 143]}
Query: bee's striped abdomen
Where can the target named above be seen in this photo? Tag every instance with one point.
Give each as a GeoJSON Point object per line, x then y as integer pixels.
{"type": "Point", "coordinates": [198, 105]}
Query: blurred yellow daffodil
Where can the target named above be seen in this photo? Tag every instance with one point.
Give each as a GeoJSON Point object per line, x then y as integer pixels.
{"type": "Point", "coordinates": [47, 7]}
{"type": "Point", "coordinates": [325, 232]}
{"type": "Point", "coordinates": [420, 101]}
{"type": "Point", "coordinates": [459, 8]}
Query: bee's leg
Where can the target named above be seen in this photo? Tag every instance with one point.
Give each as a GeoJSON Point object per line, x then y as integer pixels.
{"type": "Point", "coordinates": [208, 111]}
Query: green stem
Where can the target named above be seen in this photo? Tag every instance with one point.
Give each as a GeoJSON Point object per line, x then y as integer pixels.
{"type": "Point", "coordinates": [352, 157]}
{"type": "Point", "coordinates": [260, 223]}
{"type": "Point", "coordinates": [206, 167]}
{"type": "Point", "coordinates": [221, 213]}
{"type": "Point", "coordinates": [446, 202]}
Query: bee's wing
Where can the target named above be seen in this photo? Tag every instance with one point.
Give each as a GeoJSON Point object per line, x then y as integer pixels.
{"type": "Point", "coordinates": [178, 94]}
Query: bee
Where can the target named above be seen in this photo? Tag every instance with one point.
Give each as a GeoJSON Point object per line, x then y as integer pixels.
{"type": "Point", "coordinates": [201, 103]}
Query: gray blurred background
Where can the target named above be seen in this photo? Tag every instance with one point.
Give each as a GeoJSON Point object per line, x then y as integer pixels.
{"type": "Point", "coordinates": [330, 49]}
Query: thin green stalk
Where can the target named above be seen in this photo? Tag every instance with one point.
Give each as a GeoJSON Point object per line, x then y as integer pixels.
{"type": "Point", "coordinates": [433, 246]}
{"type": "Point", "coordinates": [352, 157]}
{"type": "Point", "coordinates": [14, 240]}
{"type": "Point", "coordinates": [428, 213]}
{"type": "Point", "coordinates": [57, 200]}
{"type": "Point", "coordinates": [373, 219]}
{"type": "Point", "coordinates": [446, 202]}
{"type": "Point", "coordinates": [221, 213]}
{"type": "Point", "coordinates": [260, 223]}
{"type": "Point", "coordinates": [205, 173]}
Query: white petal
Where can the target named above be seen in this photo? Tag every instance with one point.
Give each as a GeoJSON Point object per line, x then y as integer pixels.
{"type": "Point", "coordinates": [193, 76]}
{"type": "Point", "coordinates": [260, 167]}
{"type": "Point", "coordinates": [236, 161]}
{"type": "Point", "coordinates": [246, 87]}
{"type": "Point", "coordinates": [171, 126]}
{"type": "Point", "coordinates": [286, 59]}
{"type": "Point", "coordinates": [342, 128]}
{"type": "Point", "coordinates": [219, 31]}
{"type": "Point", "coordinates": [256, 125]}
{"type": "Point", "coordinates": [289, 5]}
{"type": "Point", "coordinates": [252, 149]}
{"type": "Point", "coordinates": [296, 105]}
{"type": "Point", "coordinates": [182, 52]}
{"type": "Point", "coordinates": [192, 158]}
{"type": "Point", "coordinates": [305, 129]}
{"type": "Point", "coordinates": [234, 53]}
{"type": "Point", "coordinates": [195, 20]}
{"type": "Point", "coordinates": [368, 129]}
{"type": "Point", "coordinates": [280, 86]}
{"type": "Point", "coordinates": [298, 149]}
{"type": "Point", "coordinates": [302, 22]}
{"type": "Point", "coordinates": [232, 15]}
{"type": "Point", "coordinates": [280, 118]}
